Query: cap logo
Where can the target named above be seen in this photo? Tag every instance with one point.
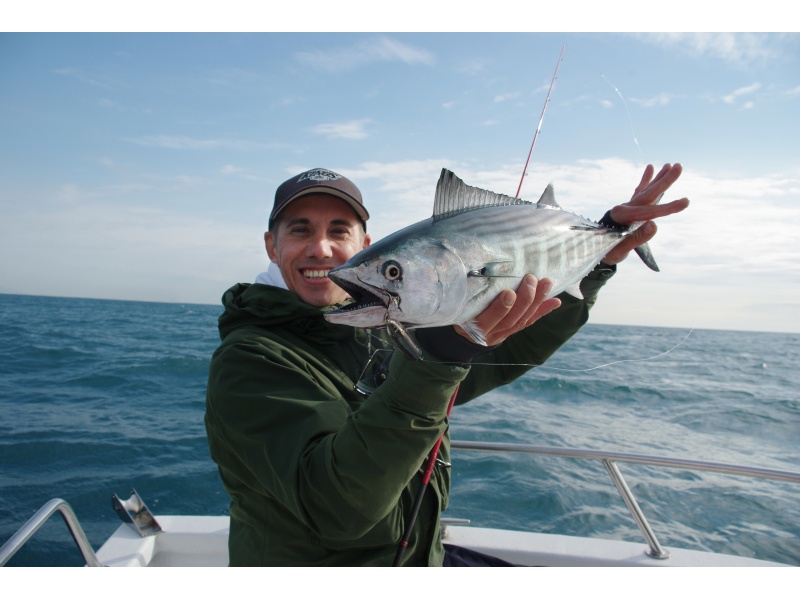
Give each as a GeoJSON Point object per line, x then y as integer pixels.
{"type": "Point", "coordinates": [319, 175]}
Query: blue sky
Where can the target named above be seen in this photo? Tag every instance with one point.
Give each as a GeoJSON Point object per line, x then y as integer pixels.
{"type": "Point", "coordinates": [143, 166]}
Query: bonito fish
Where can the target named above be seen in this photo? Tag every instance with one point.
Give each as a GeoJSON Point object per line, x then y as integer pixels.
{"type": "Point", "coordinates": [447, 269]}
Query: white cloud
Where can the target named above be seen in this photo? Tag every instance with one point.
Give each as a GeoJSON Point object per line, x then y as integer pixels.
{"type": "Point", "coordinates": [347, 130]}
{"type": "Point", "coordinates": [737, 48]}
{"type": "Point", "coordinates": [108, 103]}
{"type": "Point", "coordinates": [81, 76]}
{"type": "Point", "coordinates": [475, 67]}
{"type": "Point", "coordinates": [504, 97]}
{"type": "Point", "coordinates": [233, 76]}
{"type": "Point", "coordinates": [379, 49]}
{"type": "Point", "coordinates": [743, 91]}
{"type": "Point", "coordinates": [108, 250]}
{"type": "Point", "coordinates": [179, 142]}
{"type": "Point", "coordinates": [397, 193]}
{"type": "Point", "coordinates": [233, 170]}
{"type": "Point", "coordinates": [288, 101]}
{"type": "Point", "coordinates": [659, 100]}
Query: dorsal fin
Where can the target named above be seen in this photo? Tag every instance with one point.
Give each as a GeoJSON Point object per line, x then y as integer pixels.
{"type": "Point", "coordinates": [548, 197]}
{"type": "Point", "coordinates": [453, 197]}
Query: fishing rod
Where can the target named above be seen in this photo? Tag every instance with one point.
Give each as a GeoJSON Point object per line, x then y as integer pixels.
{"type": "Point", "coordinates": [401, 549]}
{"type": "Point", "coordinates": [396, 330]}
{"type": "Point", "coordinates": [541, 119]}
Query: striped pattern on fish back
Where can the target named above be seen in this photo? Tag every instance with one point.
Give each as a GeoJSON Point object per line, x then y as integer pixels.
{"type": "Point", "coordinates": [547, 242]}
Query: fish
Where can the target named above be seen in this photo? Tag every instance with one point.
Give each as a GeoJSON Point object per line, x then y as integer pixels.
{"type": "Point", "coordinates": [445, 270]}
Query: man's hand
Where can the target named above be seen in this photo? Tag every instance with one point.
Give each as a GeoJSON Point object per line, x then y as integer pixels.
{"type": "Point", "coordinates": [512, 311]}
{"type": "Point", "coordinates": [642, 207]}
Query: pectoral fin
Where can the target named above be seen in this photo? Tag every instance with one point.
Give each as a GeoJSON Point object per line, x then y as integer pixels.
{"type": "Point", "coordinates": [502, 268]}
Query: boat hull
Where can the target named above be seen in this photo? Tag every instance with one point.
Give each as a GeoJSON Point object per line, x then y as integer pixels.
{"type": "Point", "coordinates": [189, 541]}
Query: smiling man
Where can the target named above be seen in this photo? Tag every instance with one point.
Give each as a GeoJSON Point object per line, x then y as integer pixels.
{"type": "Point", "coordinates": [321, 222]}
{"type": "Point", "coordinates": [320, 430]}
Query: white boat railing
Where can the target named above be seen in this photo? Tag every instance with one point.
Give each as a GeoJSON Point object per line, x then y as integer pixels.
{"type": "Point", "coordinates": [610, 460]}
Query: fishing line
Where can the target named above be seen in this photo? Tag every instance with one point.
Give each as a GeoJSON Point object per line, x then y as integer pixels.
{"type": "Point", "coordinates": [621, 97]}
{"type": "Point", "coordinates": [628, 112]}
{"type": "Point", "coordinates": [616, 362]}
{"type": "Point", "coordinates": [543, 366]}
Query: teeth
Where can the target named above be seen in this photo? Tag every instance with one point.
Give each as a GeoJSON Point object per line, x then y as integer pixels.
{"type": "Point", "coordinates": [315, 274]}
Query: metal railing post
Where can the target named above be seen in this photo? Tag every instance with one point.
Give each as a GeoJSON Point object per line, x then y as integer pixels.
{"type": "Point", "coordinates": [656, 551]}
{"type": "Point", "coordinates": [33, 524]}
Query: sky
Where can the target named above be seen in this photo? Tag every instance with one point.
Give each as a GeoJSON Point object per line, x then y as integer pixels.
{"type": "Point", "coordinates": [142, 166]}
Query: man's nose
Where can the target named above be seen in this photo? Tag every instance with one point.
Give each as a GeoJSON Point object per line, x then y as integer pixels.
{"type": "Point", "coordinates": [320, 247]}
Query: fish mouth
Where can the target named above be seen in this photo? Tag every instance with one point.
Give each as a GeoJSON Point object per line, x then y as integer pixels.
{"type": "Point", "coordinates": [369, 307]}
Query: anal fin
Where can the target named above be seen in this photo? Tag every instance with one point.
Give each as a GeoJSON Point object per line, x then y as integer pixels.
{"type": "Point", "coordinates": [474, 332]}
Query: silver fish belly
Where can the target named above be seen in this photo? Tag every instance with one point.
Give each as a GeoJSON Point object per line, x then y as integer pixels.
{"type": "Point", "coordinates": [447, 269]}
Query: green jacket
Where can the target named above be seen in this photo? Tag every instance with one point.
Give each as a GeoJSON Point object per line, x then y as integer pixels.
{"type": "Point", "coordinates": [319, 474]}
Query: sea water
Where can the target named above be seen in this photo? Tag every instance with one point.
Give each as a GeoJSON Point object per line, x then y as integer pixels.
{"type": "Point", "coordinates": [98, 397]}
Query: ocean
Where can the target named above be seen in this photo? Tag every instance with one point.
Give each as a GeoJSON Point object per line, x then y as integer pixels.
{"type": "Point", "coordinates": [100, 396]}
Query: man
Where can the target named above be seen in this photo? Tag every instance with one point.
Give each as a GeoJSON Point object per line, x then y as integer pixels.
{"type": "Point", "coordinates": [318, 472]}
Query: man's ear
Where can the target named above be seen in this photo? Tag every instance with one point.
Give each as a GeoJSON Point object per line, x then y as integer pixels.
{"type": "Point", "coordinates": [367, 241]}
{"type": "Point", "coordinates": [269, 244]}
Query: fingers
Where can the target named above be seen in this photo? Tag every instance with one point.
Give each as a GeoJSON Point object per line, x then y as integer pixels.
{"type": "Point", "coordinates": [647, 176]}
{"type": "Point", "coordinates": [511, 312]}
{"type": "Point", "coordinates": [625, 214]}
{"type": "Point", "coordinates": [643, 205]}
{"type": "Point", "coordinates": [529, 298]}
{"type": "Point", "coordinates": [649, 191]}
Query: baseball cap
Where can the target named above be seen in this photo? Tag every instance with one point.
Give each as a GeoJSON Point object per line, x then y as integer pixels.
{"type": "Point", "coordinates": [318, 181]}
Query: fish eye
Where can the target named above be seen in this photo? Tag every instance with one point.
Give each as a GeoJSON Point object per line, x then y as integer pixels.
{"type": "Point", "coordinates": [391, 270]}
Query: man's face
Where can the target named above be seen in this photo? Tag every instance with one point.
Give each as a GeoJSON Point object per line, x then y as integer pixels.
{"type": "Point", "coordinates": [314, 234]}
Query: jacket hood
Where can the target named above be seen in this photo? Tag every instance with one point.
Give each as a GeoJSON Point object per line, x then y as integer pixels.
{"type": "Point", "coordinates": [260, 305]}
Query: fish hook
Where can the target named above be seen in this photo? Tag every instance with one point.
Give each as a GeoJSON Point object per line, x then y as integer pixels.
{"type": "Point", "coordinates": [403, 339]}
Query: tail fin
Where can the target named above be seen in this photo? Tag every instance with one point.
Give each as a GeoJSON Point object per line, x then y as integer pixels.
{"type": "Point", "coordinates": [647, 257]}
{"type": "Point", "coordinates": [644, 250]}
